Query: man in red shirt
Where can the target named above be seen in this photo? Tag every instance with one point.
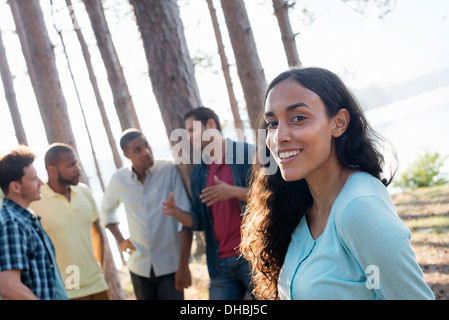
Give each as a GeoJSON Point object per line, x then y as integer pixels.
{"type": "Point", "coordinates": [219, 189]}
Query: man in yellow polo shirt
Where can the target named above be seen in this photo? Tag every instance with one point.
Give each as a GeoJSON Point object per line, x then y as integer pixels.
{"type": "Point", "coordinates": [69, 215]}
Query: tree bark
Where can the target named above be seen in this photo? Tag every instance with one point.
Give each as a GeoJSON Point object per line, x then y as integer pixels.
{"type": "Point", "coordinates": [24, 45]}
{"type": "Point", "coordinates": [41, 63]}
{"type": "Point", "coordinates": [226, 73]}
{"type": "Point", "coordinates": [122, 97]}
{"type": "Point", "coordinates": [89, 136]}
{"type": "Point", "coordinates": [10, 95]}
{"type": "Point", "coordinates": [170, 66]}
{"type": "Point", "coordinates": [288, 37]}
{"type": "Point", "coordinates": [109, 269]}
{"type": "Point", "coordinates": [93, 80]}
{"type": "Point", "coordinates": [249, 67]}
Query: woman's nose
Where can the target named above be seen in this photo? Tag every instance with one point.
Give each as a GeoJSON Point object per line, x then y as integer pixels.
{"type": "Point", "coordinates": [282, 134]}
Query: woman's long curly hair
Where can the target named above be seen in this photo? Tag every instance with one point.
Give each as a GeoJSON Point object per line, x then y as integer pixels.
{"type": "Point", "coordinates": [276, 206]}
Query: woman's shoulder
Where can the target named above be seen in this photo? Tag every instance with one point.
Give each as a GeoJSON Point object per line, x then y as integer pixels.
{"type": "Point", "coordinates": [365, 206]}
{"type": "Point", "coordinates": [362, 186]}
{"type": "Point", "coordinates": [363, 197]}
{"type": "Point", "coordinates": [362, 183]}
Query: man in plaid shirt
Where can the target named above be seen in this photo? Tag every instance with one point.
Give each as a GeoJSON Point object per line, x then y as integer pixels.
{"type": "Point", "coordinates": [28, 268]}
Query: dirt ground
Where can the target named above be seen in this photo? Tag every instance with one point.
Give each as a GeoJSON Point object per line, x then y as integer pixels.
{"type": "Point", "coordinates": [425, 211]}
{"type": "Point", "coordinates": [200, 280]}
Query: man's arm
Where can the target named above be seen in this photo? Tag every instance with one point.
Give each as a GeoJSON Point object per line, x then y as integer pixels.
{"type": "Point", "coordinates": [124, 244]}
{"type": "Point", "coordinates": [12, 288]}
{"type": "Point", "coordinates": [223, 191]}
{"type": "Point", "coordinates": [97, 240]}
{"type": "Point", "coordinates": [170, 209]}
{"type": "Point", "coordinates": [183, 278]}
{"type": "Point", "coordinates": [109, 218]}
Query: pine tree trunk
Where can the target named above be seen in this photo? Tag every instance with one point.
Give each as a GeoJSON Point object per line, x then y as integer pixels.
{"type": "Point", "coordinates": [109, 269]}
{"type": "Point", "coordinates": [24, 45]}
{"type": "Point", "coordinates": [40, 58]}
{"type": "Point", "coordinates": [93, 80]}
{"type": "Point", "coordinates": [226, 73]}
{"type": "Point", "coordinates": [249, 67]}
{"type": "Point", "coordinates": [288, 37]}
{"type": "Point", "coordinates": [110, 272]}
{"type": "Point", "coordinates": [170, 66]}
{"type": "Point", "coordinates": [10, 95]}
{"type": "Point", "coordinates": [43, 73]}
{"type": "Point", "coordinates": [122, 97]}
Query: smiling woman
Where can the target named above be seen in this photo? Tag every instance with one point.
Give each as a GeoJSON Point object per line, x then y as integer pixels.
{"type": "Point", "coordinates": [296, 130]}
{"type": "Point", "coordinates": [320, 225]}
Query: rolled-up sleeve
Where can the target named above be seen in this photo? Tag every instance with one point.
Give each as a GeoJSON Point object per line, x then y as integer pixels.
{"type": "Point", "coordinates": [180, 193]}
{"type": "Point", "coordinates": [181, 197]}
{"type": "Point", "coordinates": [110, 204]}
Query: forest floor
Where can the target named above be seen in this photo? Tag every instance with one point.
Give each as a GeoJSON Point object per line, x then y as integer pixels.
{"type": "Point", "coordinates": [425, 211]}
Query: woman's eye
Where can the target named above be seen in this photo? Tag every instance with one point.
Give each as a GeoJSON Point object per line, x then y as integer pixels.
{"type": "Point", "coordinates": [298, 118]}
{"type": "Point", "coordinates": [271, 124]}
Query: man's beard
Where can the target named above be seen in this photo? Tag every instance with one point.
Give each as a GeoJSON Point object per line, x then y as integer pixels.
{"type": "Point", "coordinates": [72, 182]}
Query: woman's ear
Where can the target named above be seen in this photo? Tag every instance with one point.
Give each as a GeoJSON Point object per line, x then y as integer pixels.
{"type": "Point", "coordinates": [340, 122]}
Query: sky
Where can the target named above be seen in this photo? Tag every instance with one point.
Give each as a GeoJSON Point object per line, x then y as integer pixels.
{"type": "Point", "coordinates": [364, 50]}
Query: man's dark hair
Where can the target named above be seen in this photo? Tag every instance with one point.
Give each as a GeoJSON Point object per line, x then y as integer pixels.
{"type": "Point", "coordinates": [203, 114]}
{"type": "Point", "coordinates": [12, 166]}
{"type": "Point", "coordinates": [127, 136]}
{"type": "Point", "coordinates": [52, 156]}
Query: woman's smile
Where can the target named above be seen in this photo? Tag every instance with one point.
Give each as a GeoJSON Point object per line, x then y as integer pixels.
{"type": "Point", "coordinates": [287, 156]}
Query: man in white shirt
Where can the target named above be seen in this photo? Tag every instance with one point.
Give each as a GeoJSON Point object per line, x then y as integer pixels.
{"type": "Point", "coordinates": [159, 258]}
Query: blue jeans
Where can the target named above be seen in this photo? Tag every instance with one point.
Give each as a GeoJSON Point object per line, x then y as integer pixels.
{"type": "Point", "coordinates": [233, 283]}
{"type": "Point", "coordinates": [156, 288]}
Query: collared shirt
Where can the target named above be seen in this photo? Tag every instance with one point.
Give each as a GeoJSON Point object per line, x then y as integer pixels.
{"type": "Point", "coordinates": [239, 156]}
{"type": "Point", "coordinates": [68, 223]}
{"type": "Point", "coordinates": [155, 236]}
{"type": "Point", "coordinates": [226, 214]}
{"type": "Point", "coordinates": [363, 253]}
{"type": "Point", "coordinates": [25, 246]}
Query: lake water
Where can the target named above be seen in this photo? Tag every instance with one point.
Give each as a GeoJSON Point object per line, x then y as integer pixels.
{"type": "Point", "coordinates": [415, 125]}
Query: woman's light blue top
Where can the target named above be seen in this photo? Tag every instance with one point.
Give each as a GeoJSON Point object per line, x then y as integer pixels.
{"type": "Point", "coordinates": [363, 253]}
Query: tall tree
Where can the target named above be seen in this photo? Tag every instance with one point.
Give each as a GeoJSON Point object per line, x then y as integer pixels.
{"type": "Point", "coordinates": [40, 58]}
{"type": "Point", "coordinates": [41, 63]}
{"type": "Point", "coordinates": [24, 45]}
{"type": "Point", "coordinates": [170, 66]}
{"type": "Point", "coordinates": [281, 8]}
{"type": "Point", "coordinates": [10, 95]}
{"type": "Point", "coordinates": [108, 268]}
{"type": "Point", "coordinates": [249, 67]}
{"type": "Point", "coordinates": [75, 86]}
{"type": "Point", "coordinates": [93, 80]}
{"type": "Point", "coordinates": [226, 73]}
{"type": "Point", "coordinates": [122, 98]}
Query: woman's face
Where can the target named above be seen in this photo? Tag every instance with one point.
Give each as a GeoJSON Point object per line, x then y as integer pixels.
{"type": "Point", "coordinates": [299, 132]}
